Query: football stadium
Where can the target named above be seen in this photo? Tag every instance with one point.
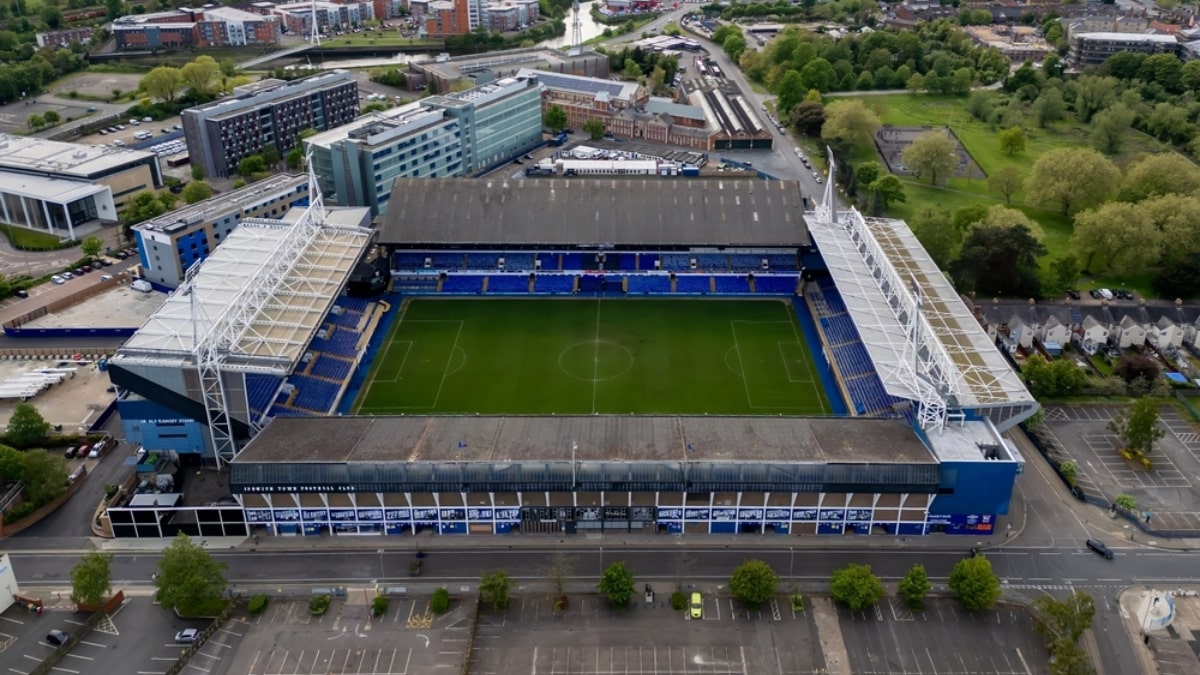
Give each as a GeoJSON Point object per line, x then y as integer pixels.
{"type": "Point", "coordinates": [563, 355]}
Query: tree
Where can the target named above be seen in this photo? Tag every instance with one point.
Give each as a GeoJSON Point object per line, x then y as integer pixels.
{"type": "Point", "coordinates": [1006, 181]}
{"type": "Point", "coordinates": [196, 191]}
{"type": "Point", "coordinates": [51, 117]}
{"type": "Point", "coordinates": [753, 582]}
{"type": "Point", "coordinates": [808, 116]}
{"type": "Point", "coordinates": [188, 577]}
{"type": "Point", "coordinates": [1118, 237]}
{"type": "Point", "coordinates": [162, 83]}
{"type": "Point", "coordinates": [914, 586]}
{"type": "Point", "coordinates": [818, 74]}
{"type": "Point", "coordinates": [974, 582]}
{"type": "Point", "coordinates": [1093, 94]}
{"type": "Point", "coordinates": [1012, 141]}
{"type": "Point", "coordinates": [887, 190]}
{"type": "Point", "coordinates": [44, 475]}
{"type": "Point", "coordinates": [1135, 366]}
{"type": "Point", "coordinates": [1180, 278]}
{"type": "Point", "coordinates": [867, 172]}
{"type": "Point", "coordinates": [998, 260]}
{"type": "Point", "coordinates": [1137, 426]}
{"type": "Point", "coordinates": [555, 119]}
{"type": "Point", "coordinates": [850, 124]}
{"type": "Point", "coordinates": [1160, 174]}
{"type": "Point", "coordinates": [36, 121]}
{"type": "Point", "coordinates": [594, 128]}
{"type": "Point", "coordinates": [270, 155]}
{"type": "Point", "coordinates": [558, 570]}
{"type": "Point", "coordinates": [249, 166]}
{"type": "Point", "coordinates": [200, 74]}
{"type": "Point", "coordinates": [91, 246]}
{"type": "Point", "coordinates": [493, 588]}
{"type": "Point", "coordinates": [855, 586]}
{"type": "Point", "coordinates": [26, 427]}
{"type": "Point", "coordinates": [932, 154]}
{"type": "Point", "coordinates": [1109, 128]}
{"type": "Point", "coordinates": [1064, 270]}
{"type": "Point", "coordinates": [1065, 619]}
{"type": "Point", "coordinates": [1053, 379]}
{"type": "Point", "coordinates": [938, 234]}
{"type": "Point", "coordinates": [1074, 178]}
{"type": "Point", "coordinates": [91, 578]}
{"type": "Point", "coordinates": [617, 584]}
{"type": "Point", "coordinates": [1049, 107]}
{"type": "Point", "coordinates": [295, 159]}
{"type": "Point", "coordinates": [1069, 659]}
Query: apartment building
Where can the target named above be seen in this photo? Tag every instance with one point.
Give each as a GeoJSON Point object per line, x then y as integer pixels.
{"type": "Point", "coordinates": [270, 112]}
{"type": "Point", "coordinates": [171, 243]}
{"type": "Point", "coordinates": [62, 39]}
{"type": "Point", "coordinates": [438, 137]}
{"type": "Point", "coordinates": [205, 27]}
{"type": "Point", "coordinates": [1092, 49]}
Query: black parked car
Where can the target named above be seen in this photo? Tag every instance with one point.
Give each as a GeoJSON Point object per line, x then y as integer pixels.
{"type": "Point", "coordinates": [1072, 293]}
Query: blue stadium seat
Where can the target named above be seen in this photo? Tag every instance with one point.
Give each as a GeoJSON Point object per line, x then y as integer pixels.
{"type": "Point", "coordinates": [414, 282]}
{"type": "Point", "coordinates": [261, 391]}
{"type": "Point", "coordinates": [642, 284]}
{"type": "Point", "coordinates": [463, 283]}
{"type": "Point", "coordinates": [554, 283]}
{"type": "Point", "coordinates": [775, 284]}
{"type": "Point", "coordinates": [508, 283]}
{"type": "Point", "coordinates": [693, 283]}
{"type": "Point", "coordinates": [549, 260]}
{"type": "Point", "coordinates": [518, 262]}
{"type": "Point", "coordinates": [646, 261]}
{"type": "Point", "coordinates": [407, 260]}
{"type": "Point", "coordinates": [676, 262]}
{"type": "Point", "coordinates": [482, 261]}
{"type": "Point", "coordinates": [315, 395]}
{"type": "Point", "coordinates": [596, 283]}
{"type": "Point", "coordinates": [745, 262]}
{"type": "Point", "coordinates": [782, 261]}
{"type": "Point", "coordinates": [727, 283]}
{"type": "Point", "coordinates": [445, 261]}
{"type": "Point", "coordinates": [712, 262]}
{"type": "Point", "coordinates": [331, 367]}
{"type": "Point", "coordinates": [572, 261]}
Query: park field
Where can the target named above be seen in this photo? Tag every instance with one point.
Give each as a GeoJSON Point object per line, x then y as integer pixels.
{"type": "Point", "coordinates": [593, 356]}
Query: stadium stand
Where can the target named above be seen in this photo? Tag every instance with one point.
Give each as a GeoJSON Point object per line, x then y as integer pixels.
{"type": "Point", "coordinates": [693, 283]}
{"type": "Point", "coordinates": [415, 282]}
{"type": "Point", "coordinates": [676, 262]}
{"type": "Point", "coordinates": [405, 260]}
{"type": "Point", "coordinates": [518, 262]}
{"type": "Point", "coordinates": [331, 367]}
{"type": "Point", "coordinates": [775, 284]}
{"type": "Point", "coordinates": [315, 395]}
{"type": "Point", "coordinates": [554, 283]}
{"type": "Point", "coordinates": [549, 261]}
{"type": "Point", "coordinates": [745, 262]}
{"type": "Point", "coordinates": [642, 284]}
{"type": "Point", "coordinates": [646, 261]}
{"type": "Point", "coordinates": [508, 283]}
{"type": "Point", "coordinates": [463, 283]}
{"type": "Point", "coordinates": [261, 390]}
{"type": "Point", "coordinates": [727, 283]}
{"type": "Point", "coordinates": [782, 261]}
{"type": "Point", "coordinates": [716, 262]}
{"type": "Point", "coordinates": [482, 261]}
{"type": "Point", "coordinates": [572, 261]}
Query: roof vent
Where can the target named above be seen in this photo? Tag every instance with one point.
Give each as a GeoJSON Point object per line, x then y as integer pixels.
{"type": "Point", "coordinates": [79, 154]}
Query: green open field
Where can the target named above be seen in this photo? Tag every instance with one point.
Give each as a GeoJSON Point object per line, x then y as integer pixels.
{"type": "Point", "coordinates": [585, 356]}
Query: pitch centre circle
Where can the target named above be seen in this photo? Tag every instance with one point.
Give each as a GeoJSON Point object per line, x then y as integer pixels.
{"type": "Point", "coordinates": [596, 360]}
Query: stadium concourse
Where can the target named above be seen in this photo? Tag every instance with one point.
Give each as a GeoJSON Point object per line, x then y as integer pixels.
{"type": "Point", "coordinates": [911, 443]}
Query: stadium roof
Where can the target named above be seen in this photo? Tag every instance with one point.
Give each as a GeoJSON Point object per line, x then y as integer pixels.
{"type": "Point", "coordinates": [293, 288]}
{"type": "Point", "coordinates": [613, 211]}
{"type": "Point", "coordinates": [877, 263]}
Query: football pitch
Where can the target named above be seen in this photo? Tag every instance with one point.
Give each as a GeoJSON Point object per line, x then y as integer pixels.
{"type": "Point", "coordinates": [593, 356]}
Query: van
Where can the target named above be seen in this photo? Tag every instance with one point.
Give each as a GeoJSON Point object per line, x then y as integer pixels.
{"type": "Point", "coordinates": [1099, 548]}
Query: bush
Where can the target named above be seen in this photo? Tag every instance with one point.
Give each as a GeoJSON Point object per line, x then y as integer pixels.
{"type": "Point", "coordinates": [797, 602]}
{"type": "Point", "coordinates": [440, 601]}
{"type": "Point", "coordinates": [319, 605]}
{"type": "Point", "coordinates": [257, 604]}
{"type": "Point", "coordinates": [379, 606]}
{"type": "Point", "coordinates": [679, 601]}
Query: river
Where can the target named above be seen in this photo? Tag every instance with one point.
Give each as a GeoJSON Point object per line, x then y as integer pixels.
{"type": "Point", "coordinates": [588, 29]}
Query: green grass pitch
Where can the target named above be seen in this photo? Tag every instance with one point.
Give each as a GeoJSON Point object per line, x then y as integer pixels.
{"type": "Point", "coordinates": [586, 356]}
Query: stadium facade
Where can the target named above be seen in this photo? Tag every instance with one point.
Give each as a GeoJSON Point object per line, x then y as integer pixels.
{"type": "Point", "coordinates": [918, 445]}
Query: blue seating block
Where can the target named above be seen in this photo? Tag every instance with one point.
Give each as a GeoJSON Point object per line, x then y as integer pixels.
{"type": "Point", "coordinates": [646, 261]}
{"type": "Point", "coordinates": [482, 261]}
{"type": "Point", "coordinates": [782, 261]}
{"type": "Point", "coordinates": [572, 261]}
{"type": "Point", "coordinates": [518, 262]}
{"type": "Point", "coordinates": [508, 283]}
{"type": "Point", "coordinates": [693, 283]}
{"type": "Point", "coordinates": [315, 395]}
{"type": "Point", "coordinates": [732, 283]}
{"type": "Point", "coordinates": [407, 260]}
{"type": "Point", "coordinates": [554, 283]}
{"type": "Point", "coordinates": [549, 261]}
{"type": "Point", "coordinates": [463, 283]}
{"type": "Point", "coordinates": [775, 284]}
{"type": "Point", "coordinates": [745, 262]}
{"type": "Point", "coordinates": [260, 391]}
{"type": "Point", "coordinates": [676, 262]}
{"type": "Point", "coordinates": [331, 367]}
{"type": "Point", "coordinates": [649, 283]}
{"type": "Point", "coordinates": [713, 262]}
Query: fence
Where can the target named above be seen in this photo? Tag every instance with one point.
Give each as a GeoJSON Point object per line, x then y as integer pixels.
{"type": "Point", "coordinates": [61, 651]}
{"type": "Point", "coordinates": [213, 627]}
{"type": "Point", "coordinates": [13, 328]}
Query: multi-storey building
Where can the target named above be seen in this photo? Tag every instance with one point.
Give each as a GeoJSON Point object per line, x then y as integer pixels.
{"type": "Point", "coordinates": [438, 137]}
{"type": "Point", "coordinates": [61, 39]}
{"type": "Point", "coordinates": [1092, 49]}
{"type": "Point", "coordinates": [271, 112]}
{"type": "Point", "coordinates": [297, 17]}
{"type": "Point", "coordinates": [171, 243]}
{"type": "Point", "coordinates": [206, 27]}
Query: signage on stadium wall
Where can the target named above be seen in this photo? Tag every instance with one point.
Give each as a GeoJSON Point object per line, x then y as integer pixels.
{"type": "Point", "coordinates": [398, 514]}
{"type": "Point", "coordinates": [724, 514]}
{"type": "Point", "coordinates": [287, 515]}
{"type": "Point", "coordinates": [508, 514]}
{"type": "Point", "coordinates": [860, 515]}
{"type": "Point", "coordinates": [343, 515]}
{"type": "Point", "coordinates": [750, 514]}
{"type": "Point", "coordinates": [695, 514]}
{"type": "Point", "coordinates": [778, 514]}
{"type": "Point", "coordinates": [452, 514]}
{"type": "Point", "coordinates": [315, 514]}
{"type": "Point", "coordinates": [833, 514]}
{"type": "Point", "coordinates": [804, 514]}
{"type": "Point", "coordinates": [371, 515]}
{"type": "Point", "coordinates": [670, 514]}
{"type": "Point", "coordinates": [424, 514]}
{"type": "Point", "coordinates": [479, 514]}
{"type": "Point", "coordinates": [258, 515]}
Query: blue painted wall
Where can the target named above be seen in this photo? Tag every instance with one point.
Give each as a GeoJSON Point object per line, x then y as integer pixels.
{"type": "Point", "coordinates": [159, 428]}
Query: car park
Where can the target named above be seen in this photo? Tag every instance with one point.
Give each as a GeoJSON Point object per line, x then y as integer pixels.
{"type": "Point", "coordinates": [1100, 549]}
{"type": "Point", "coordinates": [57, 637]}
{"type": "Point", "coordinates": [120, 127]}
{"type": "Point", "coordinates": [95, 452]}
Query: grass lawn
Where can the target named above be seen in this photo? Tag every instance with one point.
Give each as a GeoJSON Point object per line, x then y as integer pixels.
{"type": "Point", "coordinates": [594, 356]}
{"type": "Point", "coordinates": [380, 39]}
{"type": "Point", "coordinates": [30, 240]}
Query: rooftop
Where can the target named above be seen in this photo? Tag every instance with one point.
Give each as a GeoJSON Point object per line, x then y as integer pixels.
{"type": "Point", "coordinates": [616, 90]}
{"type": "Point", "coordinates": [596, 438]}
{"type": "Point", "coordinates": [224, 203]}
{"type": "Point", "coordinates": [24, 154]}
{"type": "Point", "coordinates": [56, 190]}
{"type": "Point", "coordinates": [283, 278]}
{"type": "Point", "coordinates": [1128, 37]}
{"type": "Point", "coordinates": [646, 211]}
{"type": "Point", "coordinates": [866, 254]}
{"type": "Point", "coordinates": [270, 89]}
